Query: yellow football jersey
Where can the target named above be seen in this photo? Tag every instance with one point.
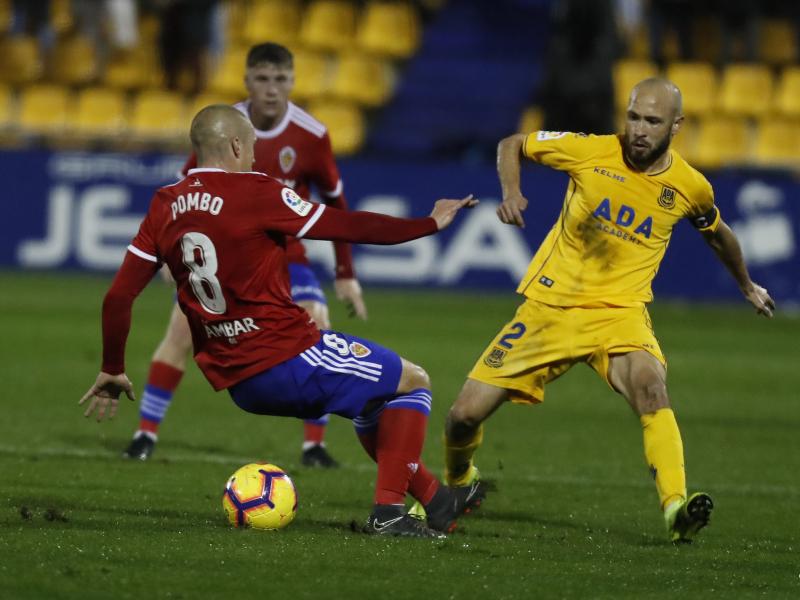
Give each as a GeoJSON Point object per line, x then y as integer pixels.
{"type": "Point", "coordinates": [615, 224]}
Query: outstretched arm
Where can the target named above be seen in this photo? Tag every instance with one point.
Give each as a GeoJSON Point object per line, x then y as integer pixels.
{"type": "Point", "coordinates": [509, 151]}
{"type": "Point", "coordinates": [131, 279]}
{"type": "Point", "coordinates": [725, 245]}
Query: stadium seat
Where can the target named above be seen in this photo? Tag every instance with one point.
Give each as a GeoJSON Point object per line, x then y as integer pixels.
{"type": "Point", "coordinates": [73, 61]}
{"type": "Point", "coordinates": [7, 116]}
{"type": "Point", "coordinates": [329, 25]}
{"type": "Point", "coordinates": [61, 20]}
{"type": "Point", "coordinates": [6, 15]}
{"type": "Point", "coordinates": [159, 116]}
{"type": "Point", "coordinates": [311, 75]}
{"type": "Point", "coordinates": [366, 80]}
{"type": "Point", "coordinates": [272, 21]}
{"type": "Point", "coordinates": [531, 120]}
{"type": "Point", "coordinates": [746, 90]}
{"type": "Point", "coordinates": [628, 73]}
{"type": "Point", "coordinates": [777, 143]}
{"type": "Point", "coordinates": [228, 75]}
{"type": "Point", "coordinates": [208, 98]}
{"type": "Point", "coordinates": [133, 69]}
{"type": "Point", "coordinates": [43, 109]}
{"type": "Point", "coordinates": [98, 111]}
{"type": "Point", "coordinates": [698, 84]}
{"type": "Point", "coordinates": [390, 29]}
{"type": "Point", "coordinates": [20, 62]}
{"type": "Point", "coordinates": [721, 141]}
{"type": "Point", "coordinates": [778, 42]}
{"type": "Point", "coordinates": [787, 96]}
{"type": "Point", "coordinates": [345, 124]}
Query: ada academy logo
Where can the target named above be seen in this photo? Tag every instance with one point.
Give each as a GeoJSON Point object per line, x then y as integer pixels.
{"type": "Point", "coordinates": [667, 198]}
{"type": "Point", "coordinates": [295, 202]}
{"type": "Point", "coordinates": [495, 358]}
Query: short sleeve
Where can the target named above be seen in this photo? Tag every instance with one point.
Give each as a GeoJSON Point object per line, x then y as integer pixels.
{"type": "Point", "coordinates": [282, 210]}
{"type": "Point", "coordinates": [704, 214]}
{"type": "Point", "coordinates": [144, 244]}
{"type": "Point", "coordinates": [560, 150]}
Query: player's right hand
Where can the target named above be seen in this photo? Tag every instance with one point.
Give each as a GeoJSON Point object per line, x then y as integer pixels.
{"type": "Point", "coordinates": [444, 211]}
{"type": "Point", "coordinates": [105, 394]}
{"type": "Point", "coordinates": [760, 299]}
{"type": "Point", "coordinates": [510, 211]}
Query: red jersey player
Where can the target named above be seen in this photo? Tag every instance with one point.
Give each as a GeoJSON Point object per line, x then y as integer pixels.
{"type": "Point", "coordinates": [222, 233]}
{"type": "Point", "coordinates": [295, 148]}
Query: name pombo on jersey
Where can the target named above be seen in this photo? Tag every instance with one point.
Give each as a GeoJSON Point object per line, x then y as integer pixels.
{"type": "Point", "coordinates": [196, 201]}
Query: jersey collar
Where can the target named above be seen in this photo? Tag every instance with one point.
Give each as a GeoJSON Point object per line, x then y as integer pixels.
{"type": "Point", "coordinates": [275, 131]}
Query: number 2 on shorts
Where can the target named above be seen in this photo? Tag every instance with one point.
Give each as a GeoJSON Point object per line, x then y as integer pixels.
{"type": "Point", "coordinates": [517, 331]}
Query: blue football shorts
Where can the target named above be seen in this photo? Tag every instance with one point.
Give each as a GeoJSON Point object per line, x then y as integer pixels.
{"type": "Point", "coordinates": [341, 374]}
{"type": "Point", "coordinates": [305, 285]}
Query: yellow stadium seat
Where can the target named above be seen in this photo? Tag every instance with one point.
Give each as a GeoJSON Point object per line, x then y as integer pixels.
{"type": "Point", "coordinates": [628, 73]}
{"type": "Point", "coordinates": [778, 42]}
{"type": "Point", "coordinates": [698, 84]}
{"type": "Point", "coordinates": [61, 19]}
{"type": "Point", "coordinates": [746, 90]}
{"type": "Point", "coordinates": [345, 123]}
{"type": "Point", "coordinates": [311, 75]}
{"type": "Point", "coordinates": [6, 15]}
{"type": "Point", "coordinates": [236, 19]}
{"type": "Point", "coordinates": [74, 61]}
{"type": "Point", "coordinates": [98, 111]}
{"type": "Point", "coordinates": [389, 28]}
{"type": "Point", "coordinates": [787, 96]}
{"type": "Point", "coordinates": [531, 120]}
{"type": "Point", "coordinates": [722, 141]}
{"type": "Point", "coordinates": [272, 21]}
{"type": "Point", "coordinates": [7, 116]}
{"type": "Point", "coordinates": [228, 75]}
{"type": "Point", "coordinates": [207, 98]}
{"type": "Point", "coordinates": [777, 143]}
{"type": "Point", "coordinates": [329, 25]}
{"type": "Point", "coordinates": [365, 80]}
{"type": "Point", "coordinates": [161, 116]}
{"type": "Point", "coordinates": [133, 70]}
{"type": "Point", "coordinates": [20, 62]}
{"type": "Point", "coordinates": [43, 109]}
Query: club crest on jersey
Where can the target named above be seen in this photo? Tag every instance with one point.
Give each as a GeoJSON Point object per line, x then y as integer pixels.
{"type": "Point", "coordinates": [295, 202]}
{"type": "Point", "coordinates": [667, 198]}
{"type": "Point", "coordinates": [495, 358]}
{"type": "Point", "coordinates": [359, 350]}
{"type": "Point", "coordinates": [287, 157]}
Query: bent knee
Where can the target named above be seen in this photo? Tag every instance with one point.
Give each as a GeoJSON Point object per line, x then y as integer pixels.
{"type": "Point", "coordinates": [464, 416]}
{"type": "Point", "coordinates": [412, 378]}
{"type": "Point", "coordinates": [651, 397]}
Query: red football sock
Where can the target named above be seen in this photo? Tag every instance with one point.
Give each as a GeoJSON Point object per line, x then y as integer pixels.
{"type": "Point", "coordinates": [166, 378]}
{"type": "Point", "coordinates": [313, 433]}
{"type": "Point", "coordinates": [399, 439]}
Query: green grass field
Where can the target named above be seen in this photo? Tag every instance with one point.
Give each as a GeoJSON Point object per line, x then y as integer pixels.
{"type": "Point", "coordinates": [575, 514]}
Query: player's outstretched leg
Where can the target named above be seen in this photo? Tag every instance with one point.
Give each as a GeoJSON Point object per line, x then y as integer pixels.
{"type": "Point", "coordinates": [315, 454]}
{"type": "Point", "coordinates": [684, 518]}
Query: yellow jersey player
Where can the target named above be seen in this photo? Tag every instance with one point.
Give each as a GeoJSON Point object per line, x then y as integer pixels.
{"type": "Point", "coordinates": [588, 285]}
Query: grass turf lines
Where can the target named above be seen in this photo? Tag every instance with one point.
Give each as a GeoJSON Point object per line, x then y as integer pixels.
{"type": "Point", "coordinates": [575, 513]}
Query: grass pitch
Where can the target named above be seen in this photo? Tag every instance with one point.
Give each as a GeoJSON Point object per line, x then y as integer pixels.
{"type": "Point", "coordinates": [575, 513]}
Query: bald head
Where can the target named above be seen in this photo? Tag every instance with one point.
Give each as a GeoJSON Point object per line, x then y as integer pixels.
{"type": "Point", "coordinates": [218, 133]}
{"type": "Point", "coordinates": [661, 92]}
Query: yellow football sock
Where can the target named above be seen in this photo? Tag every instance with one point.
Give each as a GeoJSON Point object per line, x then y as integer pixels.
{"type": "Point", "coordinates": [458, 458]}
{"type": "Point", "coordinates": [663, 451]}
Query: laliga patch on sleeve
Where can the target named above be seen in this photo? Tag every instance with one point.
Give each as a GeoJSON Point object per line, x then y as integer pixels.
{"type": "Point", "coordinates": [295, 202]}
{"type": "Point", "coordinates": [543, 136]}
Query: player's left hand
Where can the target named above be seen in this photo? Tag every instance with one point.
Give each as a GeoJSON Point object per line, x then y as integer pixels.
{"type": "Point", "coordinates": [760, 298]}
{"type": "Point", "coordinates": [349, 292]}
{"type": "Point", "coordinates": [104, 394]}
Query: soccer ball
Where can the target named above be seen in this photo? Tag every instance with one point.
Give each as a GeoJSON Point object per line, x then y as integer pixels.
{"type": "Point", "coordinates": [261, 496]}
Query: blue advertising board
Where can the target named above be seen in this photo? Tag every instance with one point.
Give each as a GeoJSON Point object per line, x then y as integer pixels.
{"type": "Point", "coordinates": [68, 210]}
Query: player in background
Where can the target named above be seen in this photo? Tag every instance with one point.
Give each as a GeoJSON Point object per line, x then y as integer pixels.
{"type": "Point", "coordinates": [294, 147]}
{"type": "Point", "coordinates": [222, 233]}
{"type": "Point", "coordinates": [588, 285]}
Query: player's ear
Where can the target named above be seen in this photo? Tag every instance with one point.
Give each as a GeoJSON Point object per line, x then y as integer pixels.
{"type": "Point", "coordinates": [677, 123]}
{"type": "Point", "coordinates": [236, 146]}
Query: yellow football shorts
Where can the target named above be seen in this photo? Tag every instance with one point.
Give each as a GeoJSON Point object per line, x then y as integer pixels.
{"type": "Point", "coordinates": [542, 342]}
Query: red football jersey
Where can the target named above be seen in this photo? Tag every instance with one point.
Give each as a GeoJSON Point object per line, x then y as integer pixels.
{"type": "Point", "coordinates": [297, 152]}
{"type": "Point", "coordinates": [223, 236]}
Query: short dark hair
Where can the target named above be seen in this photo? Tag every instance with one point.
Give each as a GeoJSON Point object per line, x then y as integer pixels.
{"type": "Point", "coordinates": [271, 53]}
